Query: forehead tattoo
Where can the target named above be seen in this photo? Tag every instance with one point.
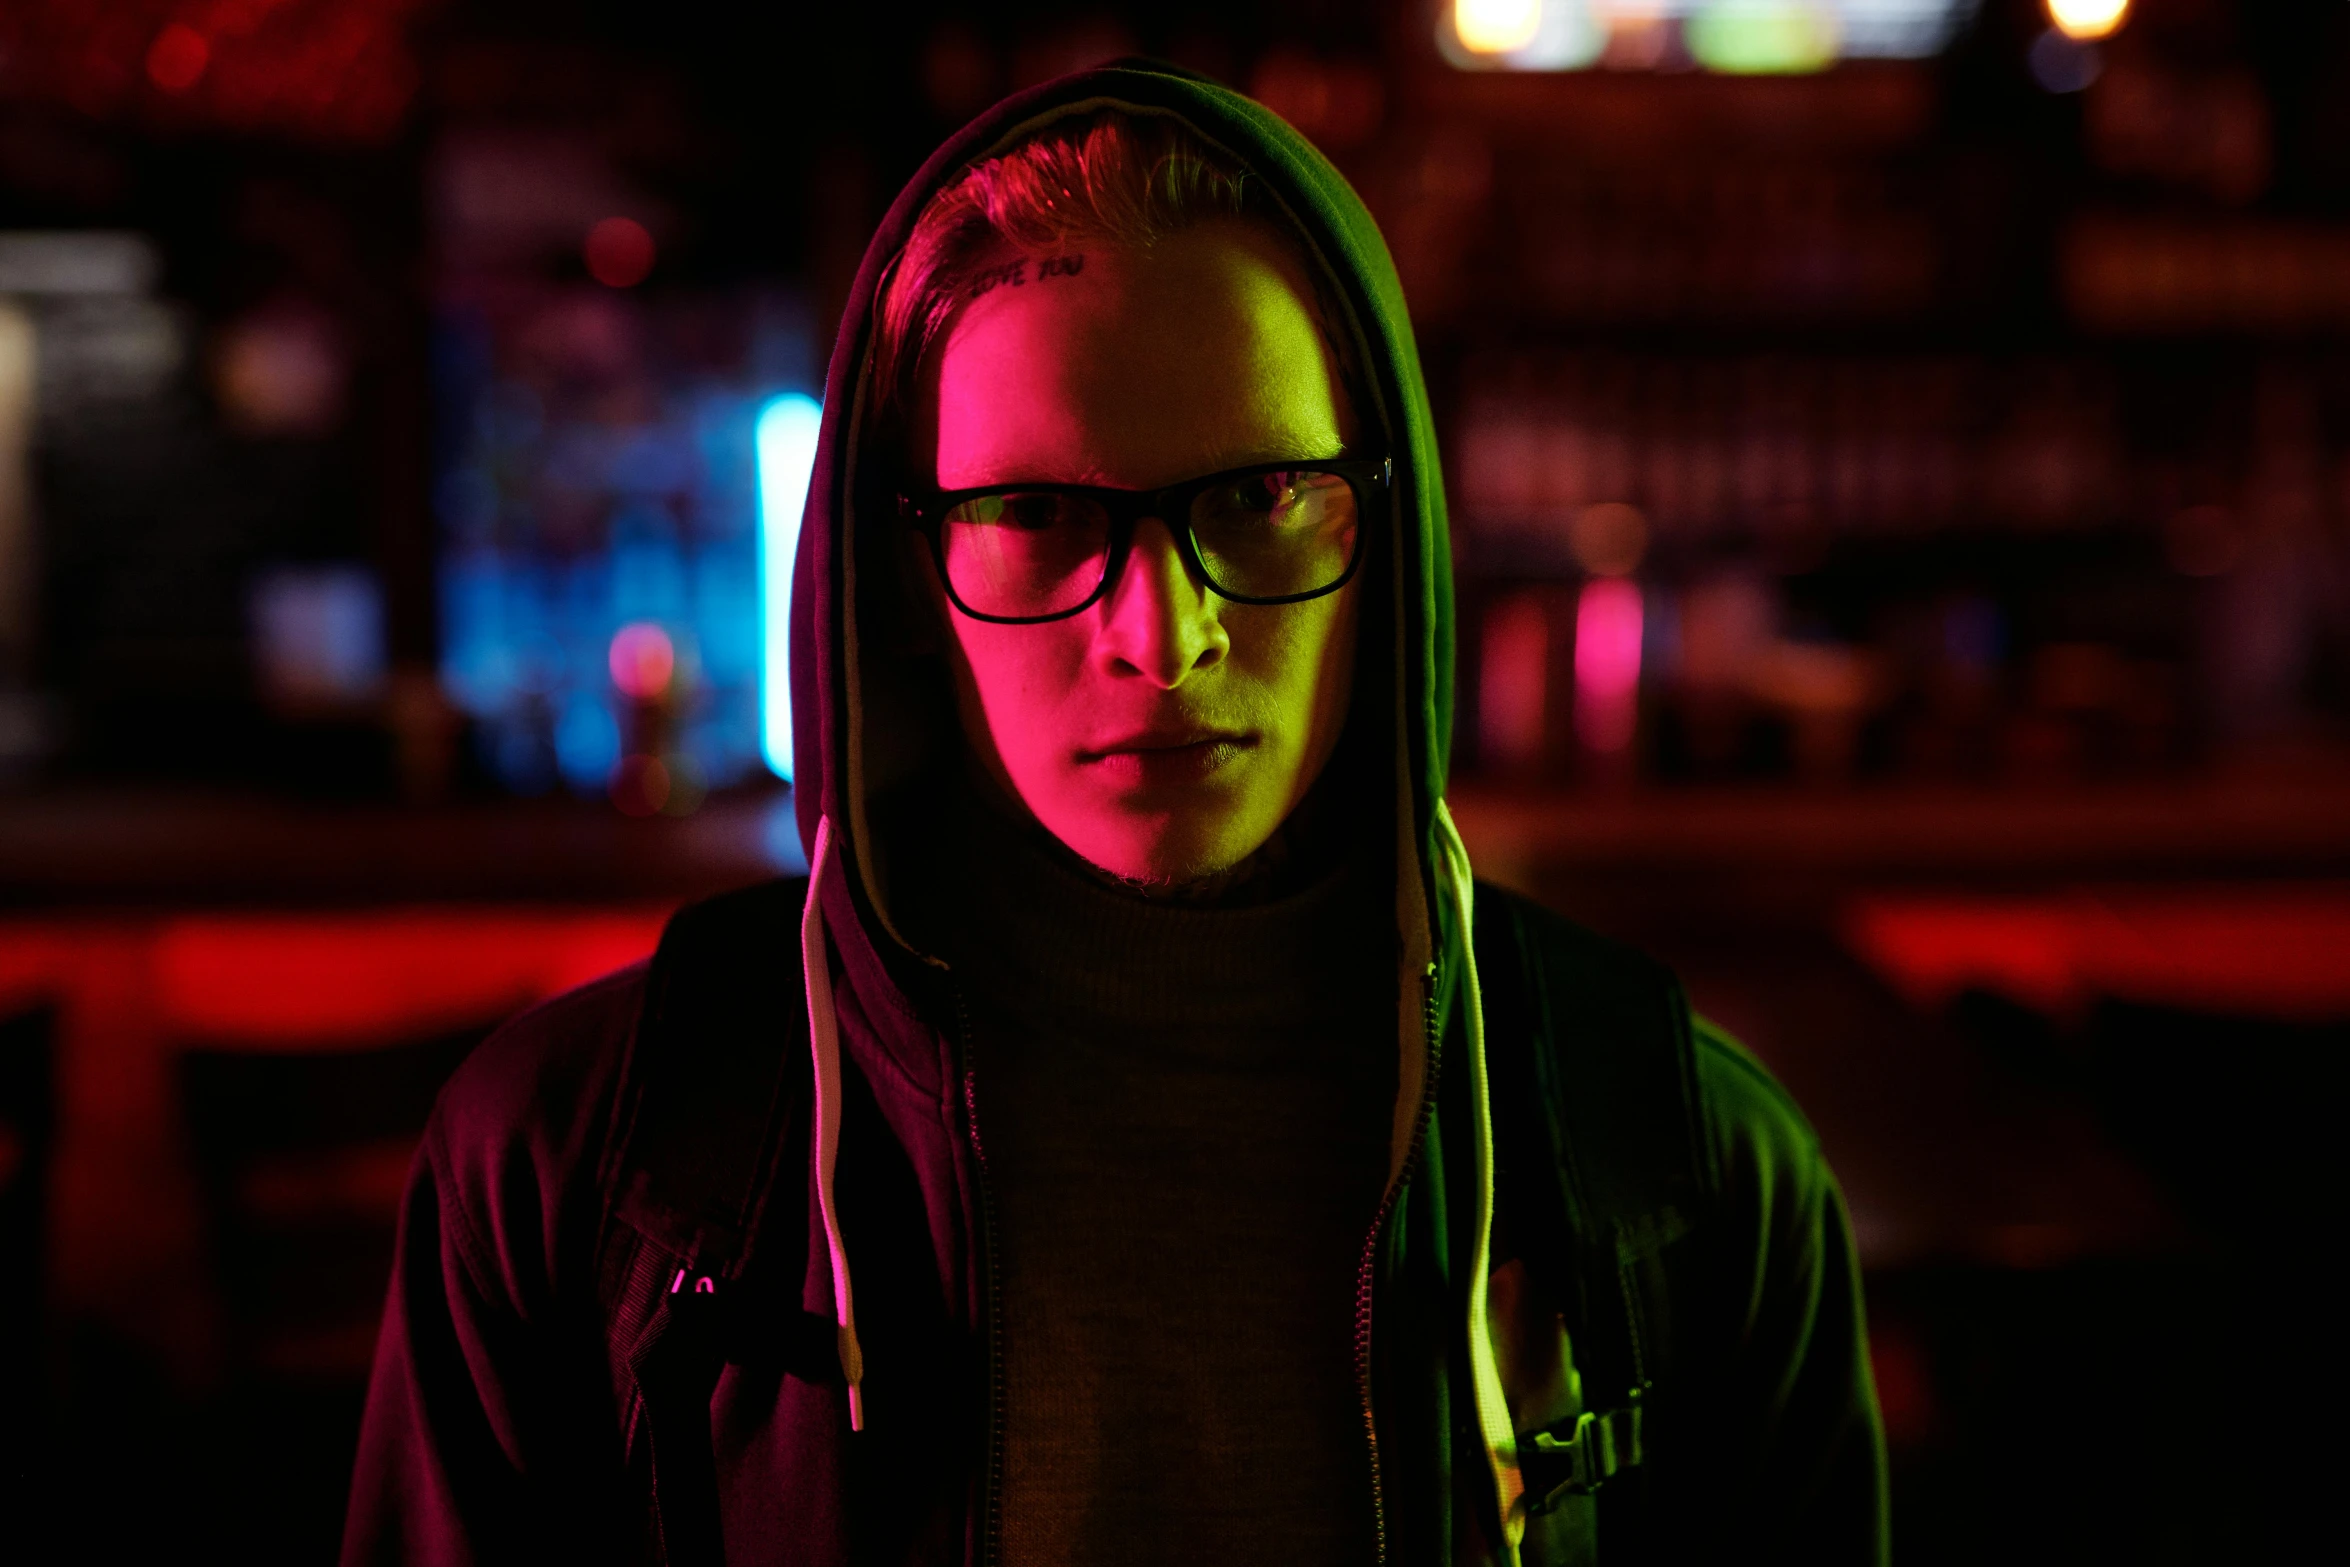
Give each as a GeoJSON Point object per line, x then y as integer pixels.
{"type": "Point", "coordinates": [1017, 274]}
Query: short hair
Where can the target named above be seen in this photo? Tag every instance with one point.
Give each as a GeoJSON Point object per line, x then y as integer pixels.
{"type": "Point", "coordinates": [1109, 175]}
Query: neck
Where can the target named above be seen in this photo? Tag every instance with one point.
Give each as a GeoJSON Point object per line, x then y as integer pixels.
{"type": "Point", "coordinates": [1308, 843]}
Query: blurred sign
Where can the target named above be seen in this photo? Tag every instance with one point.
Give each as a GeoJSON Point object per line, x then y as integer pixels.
{"type": "Point", "coordinates": [98, 261]}
{"type": "Point", "coordinates": [1734, 37]}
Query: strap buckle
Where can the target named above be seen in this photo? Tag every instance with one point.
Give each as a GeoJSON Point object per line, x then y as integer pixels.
{"type": "Point", "coordinates": [1597, 1448]}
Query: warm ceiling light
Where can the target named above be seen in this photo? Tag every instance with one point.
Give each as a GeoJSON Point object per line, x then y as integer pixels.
{"type": "Point", "coordinates": [1497, 26]}
{"type": "Point", "coordinates": [2085, 19]}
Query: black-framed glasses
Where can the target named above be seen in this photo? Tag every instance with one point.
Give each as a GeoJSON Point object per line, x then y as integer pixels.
{"type": "Point", "coordinates": [1270, 533]}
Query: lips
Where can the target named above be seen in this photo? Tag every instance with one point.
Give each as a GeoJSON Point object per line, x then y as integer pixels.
{"type": "Point", "coordinates": [1169, 739]}
{"type": "Point", "coordinates": [1168, 755]}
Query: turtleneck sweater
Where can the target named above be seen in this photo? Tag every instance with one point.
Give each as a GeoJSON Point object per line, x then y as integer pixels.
{"type": "Point", "coordinates": [1183, 1112]}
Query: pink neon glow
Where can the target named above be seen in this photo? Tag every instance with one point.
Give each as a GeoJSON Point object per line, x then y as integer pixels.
{"type": "Point", "coordinates": [1514, 681]}
{"type": "Point", "coordinates": [642, 659]}
{"type": "Point", "coordinates": [1607, 663]}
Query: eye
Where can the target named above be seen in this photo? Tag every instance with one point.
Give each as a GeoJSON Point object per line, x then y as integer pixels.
{"type": "Point", "coordinates": [1258, 493]}
{"type": "Point", "coordinates": [1269, 491]}
{"type": "Point", "coordinates": [1035, 511]}
{"type": "Point", "coordinates": [1027, 511]}
{"type": "Point", "coordinates": [1279, 497]}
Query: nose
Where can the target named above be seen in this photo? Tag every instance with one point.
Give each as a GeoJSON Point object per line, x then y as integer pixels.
{"type": "Point", "coordinates": [1159, 622]}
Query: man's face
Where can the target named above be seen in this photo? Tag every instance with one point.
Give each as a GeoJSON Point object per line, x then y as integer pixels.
{"type": "Point", "coordinates": [1164, 732]}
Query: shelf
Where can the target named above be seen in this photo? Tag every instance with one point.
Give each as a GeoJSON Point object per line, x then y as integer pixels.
{"type": "Point", "coordinates": [196, 850]}
{"type": "Point", "coordinates": [2298, 824]}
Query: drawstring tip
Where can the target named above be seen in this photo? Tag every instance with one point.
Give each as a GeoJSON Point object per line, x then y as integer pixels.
{"type": "Point", "coordinates": [852, 1371]}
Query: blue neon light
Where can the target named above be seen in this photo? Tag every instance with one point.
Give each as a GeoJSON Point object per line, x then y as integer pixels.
{"type": "Point", "coordinates": [787, 455]}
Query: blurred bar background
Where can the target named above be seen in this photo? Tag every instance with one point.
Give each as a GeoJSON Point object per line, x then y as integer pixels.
{"type": "Point", "coordinates": [1899, 455]}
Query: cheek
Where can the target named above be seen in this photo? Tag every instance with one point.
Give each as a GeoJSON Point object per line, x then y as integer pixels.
{"type": "Point", "coordinates": [1022, 677]}
{"type": "Point", "coordinates": [1300, 657]}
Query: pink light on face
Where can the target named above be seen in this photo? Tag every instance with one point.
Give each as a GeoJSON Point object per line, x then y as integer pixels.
{"type": "Point", "coordinates": [643, 659]}
{"type": "Point", "coordinates": [1607, 663]}
{"type": "Point", "coordinates": [1163, 733]}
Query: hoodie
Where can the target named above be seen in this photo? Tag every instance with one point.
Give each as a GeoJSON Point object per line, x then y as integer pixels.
{"type": "Point", "coordinates": [865, 1427]}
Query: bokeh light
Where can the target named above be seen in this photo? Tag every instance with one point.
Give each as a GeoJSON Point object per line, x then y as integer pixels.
{"type": "Point", "coordinates": [643, 661]}
{"type": "Point", "coordinates": [1764, 37]}
{"type": "Point", "coordinates": [2085, 19]}
{"type": "Point", "coordinates": [2062, 64]}
{"type": "Point", "coordinates": [640, 785]}
{"type": "Point", "coordinates": [1514, 691]}
{"type": "Point", "coordinates": [619, 252]}
{"type": "Point", "coordinates": [1609, 539]}
{"type": "Point", "coordinates": [177, 59]}
{"type": "Point", "coordinates": [1496, 26]}
{"type": "Point", "coordinates": [1608, 626]}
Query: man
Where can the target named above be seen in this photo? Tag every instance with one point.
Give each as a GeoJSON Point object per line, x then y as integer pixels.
{"type": "Point", "coordinates": [1161, 1151]}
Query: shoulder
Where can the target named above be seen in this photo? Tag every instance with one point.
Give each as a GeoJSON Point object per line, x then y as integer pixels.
{"type": "Point", "coordinates": [543, 1071]}
{"type": "Point", "coordinates": [1765, 1149]}
{"type": "Point", "coordinates": [1753, 1133]}
{"type": "Point", "coordinates": [734, 924]}
{"type": "Point", "coordinates": [1549, 934]}
{"type": "Point", "coordinates": [519, 1130]}
{"type": "Point", "coordinates": [1566, 972]}
{"type": "Point", "coordinates": [545, 1081]}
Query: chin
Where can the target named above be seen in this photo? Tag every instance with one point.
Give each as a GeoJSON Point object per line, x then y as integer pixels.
{"type": "Point", "coordinates": [1157, 852]}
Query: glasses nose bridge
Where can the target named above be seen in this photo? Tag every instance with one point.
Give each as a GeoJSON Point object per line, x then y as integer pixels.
{"type": "Point", "coordinates": [1167, 508]}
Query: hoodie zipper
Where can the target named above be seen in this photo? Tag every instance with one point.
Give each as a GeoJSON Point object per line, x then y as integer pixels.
{"type": "Point", "coordinates": [1367, 1272]}
{"type": "Point", "coordinates": [992, 1487]}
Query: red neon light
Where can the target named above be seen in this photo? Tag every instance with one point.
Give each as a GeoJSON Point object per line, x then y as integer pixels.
{"type": "Point", "coordinates": [177, 58]}
{"type": "Point", "coordinates": [619, 252]}
{"type": "Point", "coordinates": [2252, 952]}
{"type": "Point", "coordinates": [310, 980]}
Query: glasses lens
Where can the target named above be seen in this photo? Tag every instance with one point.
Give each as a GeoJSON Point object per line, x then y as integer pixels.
{"type": "Point", "coordinates": [1275, 535]}
{"type": "Point", "coordinates": [1025, 552]}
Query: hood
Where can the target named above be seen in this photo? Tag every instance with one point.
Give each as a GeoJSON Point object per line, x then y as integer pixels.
{"type": "Point", "coordinates": [859, 726]}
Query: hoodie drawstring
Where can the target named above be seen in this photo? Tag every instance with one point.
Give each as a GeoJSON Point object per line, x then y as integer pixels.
{"type": "Point", "coordinates": [824, 1045]}
{"type": "Point", "coordinates": [1493, 1417]}
{"type": "Point", "coordinates": [1493, 1414]}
